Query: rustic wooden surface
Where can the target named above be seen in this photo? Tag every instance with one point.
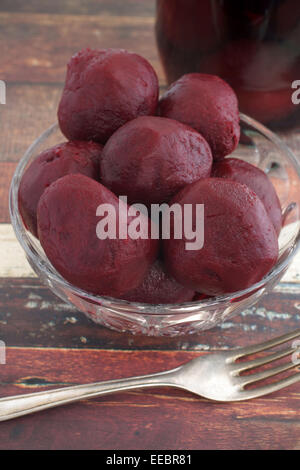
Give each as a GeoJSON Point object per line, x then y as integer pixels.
{"type": "Point", "coordinates": [51, 344]}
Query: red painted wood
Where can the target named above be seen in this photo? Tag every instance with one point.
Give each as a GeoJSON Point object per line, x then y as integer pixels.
{"type": "Point", "coordinates": [50, 344]}
{"type": "Point", "coordinates": [150, 419]}
{"type": "Point", "coordinates": [31, 315]}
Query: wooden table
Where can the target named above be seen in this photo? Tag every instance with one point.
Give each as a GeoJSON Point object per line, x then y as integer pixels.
{"type": "Point", "coordinates": [50, 344]}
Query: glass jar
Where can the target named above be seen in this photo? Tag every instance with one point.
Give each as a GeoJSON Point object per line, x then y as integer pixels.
{"type": "Point", "coordinates": [252, 44]}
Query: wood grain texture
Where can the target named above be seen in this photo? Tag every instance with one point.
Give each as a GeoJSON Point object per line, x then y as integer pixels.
{"type": "Point", "coordinates": [13, 258]}
{"type": "Point", "coordinates": [50, 343]}
{"type": "Point", "coordinates": [82, 7]}
{"type": "Point", "coordinates": [29, 111]}
{"type": "Point", "coordinates": [6, 174]}
{"type": "Point", "coordinates": [30, 315]}
{"type": "Point", "coordinates": [152, 419]}
{"type": "Point", "coordinates": [36, 47]}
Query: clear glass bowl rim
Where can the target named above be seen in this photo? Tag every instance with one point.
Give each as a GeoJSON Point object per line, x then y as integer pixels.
{"type": "Point", "coordinates": [145, 309]}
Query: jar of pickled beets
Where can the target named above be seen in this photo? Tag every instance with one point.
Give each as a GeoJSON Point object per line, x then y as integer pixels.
{"type": "Point", "coordinates": [252, 44]}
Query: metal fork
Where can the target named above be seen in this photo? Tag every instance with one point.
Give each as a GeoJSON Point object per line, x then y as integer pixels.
{"type": "Point", "coordinates": [214, 376]}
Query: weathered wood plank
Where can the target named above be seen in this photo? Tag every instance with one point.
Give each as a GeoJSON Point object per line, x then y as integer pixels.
{"type": "Point", "coordinates": [13, 259]}
{"type": "Point", "coordinates": [36, 47]}
{"type": "Point", "coordinates": [30, 315]}
{"type": "Point", "coordinates": [79, 7]}
{"type": "Point", "coordinates": [28, 112]}
{"type": "Point", "coordinates": [150, 419]}
{"type": "Point", "coordinates": [6, 174]}
{"type": "Point", "coordinates": [37, 40]}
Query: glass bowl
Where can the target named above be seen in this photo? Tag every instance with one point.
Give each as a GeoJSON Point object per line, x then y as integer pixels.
{"type": "Point", "coordinates": [259, 146]}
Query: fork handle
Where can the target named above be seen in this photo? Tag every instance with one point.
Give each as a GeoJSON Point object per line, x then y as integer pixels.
{"type": "Point", "coordinates": [20, 405]}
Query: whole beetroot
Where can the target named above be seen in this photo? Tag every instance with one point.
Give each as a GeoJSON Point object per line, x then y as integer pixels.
{"type": "Point", "coordinates": [53, 163]}
{"type": "Point", "coordinates": [209, 105]}
{"type": "Point", "coordinates": [245, 173]}
{"type": "Point", "coordinates": [67, 228]}
{"type": "Point", "coordinates": [103, 90]}
{"type": "Point", "coordinates": [240, 242]}
{"type": "Point", "coordinates": [151, 158]}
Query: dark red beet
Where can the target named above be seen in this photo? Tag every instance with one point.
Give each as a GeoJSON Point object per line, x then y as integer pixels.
{"type": "Point", "coordinates": [209, 105]}
{"type": "Point", "coordinates": [158, 287]}
{"type": "Point", "coordinates": [103, 90]}
{"type": "Point", "coordinates": [67, 224]}
{"type": "Point", "coordinates": [151, 158]}
{"type": "Point", "coordinates": [240, 242]}
{"type": "Point", "coordinates": [255, 179]}
{"type": "Point", "coordinates": [51, 164]}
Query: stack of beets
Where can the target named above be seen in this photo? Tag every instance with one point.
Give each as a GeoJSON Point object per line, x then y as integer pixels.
{"type": "Point", "coordinates": [124, 141]}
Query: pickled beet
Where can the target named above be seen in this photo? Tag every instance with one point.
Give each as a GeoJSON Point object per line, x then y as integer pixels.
{"type": "Point", "coordinates": [103, 90]}
{"type": "Point", "coordinates": [209, 105]}
{"type": "Point", "coordinates": [67, 225]}
{"type": "Point", "coordinates": [151, 158]}
{"type": "Point", "coordinates": [240, 242]}
{"type": "Point", "coordinates": [255, 179]}
{"type": "Point", "coordinates": [48, 166]}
